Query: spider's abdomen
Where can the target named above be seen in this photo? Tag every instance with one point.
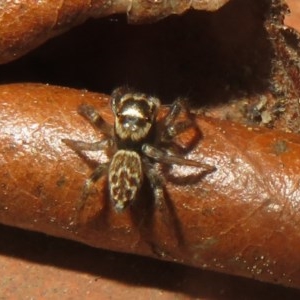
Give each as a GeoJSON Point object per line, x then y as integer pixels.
{"type": "Point", "coordinates": [125, 178]}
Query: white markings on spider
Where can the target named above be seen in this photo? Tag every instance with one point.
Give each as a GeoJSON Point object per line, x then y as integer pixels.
{"type": "Point", "coordinates": [136, 141]}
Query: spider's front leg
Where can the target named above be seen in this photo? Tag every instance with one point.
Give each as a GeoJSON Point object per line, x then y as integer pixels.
{"type": "Point", "coordinates": [106, 144]}
{"type": "Point", "coordinates": [79, 146]}
{"type": "Point", "coordinates": [171, 128]}
{"type": "Point", "coordinates": [90, 113]}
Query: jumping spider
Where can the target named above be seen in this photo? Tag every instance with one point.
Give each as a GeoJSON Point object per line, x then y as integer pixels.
{"type": "Point", "coordinates": [134, 143]}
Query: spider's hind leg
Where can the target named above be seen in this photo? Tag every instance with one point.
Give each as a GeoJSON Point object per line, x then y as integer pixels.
{"type": "Point", "coordinates": [163, 203]}
{"type": "Point", "coordinates": [97, 174]}
{"type": "Point", "coordinates": [157, 182]}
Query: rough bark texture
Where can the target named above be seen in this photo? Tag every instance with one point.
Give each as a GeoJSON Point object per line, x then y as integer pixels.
{"type": "Point", "coordinates": [243, 218]}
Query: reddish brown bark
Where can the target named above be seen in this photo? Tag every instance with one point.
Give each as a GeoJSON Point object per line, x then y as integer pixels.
{"type": "Point", "coordinates": [241, 219]}
{"type": "Point", "coordinates": [293, 19]}
{"type": "Point", "coordinates": [26, 24]}
{"type": "Point", "coordinates": [223, 217]}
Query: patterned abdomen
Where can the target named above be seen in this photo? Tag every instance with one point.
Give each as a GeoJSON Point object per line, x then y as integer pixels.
{"type": "Point", "coordinates": [125, 178]}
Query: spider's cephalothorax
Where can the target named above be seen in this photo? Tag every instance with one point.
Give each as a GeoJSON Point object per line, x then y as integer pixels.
{"type": "Point", "coordinates": [135, 115]}
{"type": "Point", "coordinates": [134, 145]}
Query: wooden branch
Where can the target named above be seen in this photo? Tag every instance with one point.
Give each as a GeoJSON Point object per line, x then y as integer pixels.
{"type": "Point", "coordinates": [242, 219]}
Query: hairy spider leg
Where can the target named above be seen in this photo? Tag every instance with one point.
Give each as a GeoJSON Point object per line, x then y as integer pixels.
{"type": "Point", "coordinates": [175, 110]}
{"type": "Point", "coordinates": [157, 182]}
{"type": "Point", "coordinates": [89, 113]}
{"type": "Point", "coordinates": [166, 158]}
{"type": "Point", "coordinates": [84, 146]}
{"type": "Point", "coordinates": [171, 128]}
{"type": "Point", "coordinates": [97, 173]}
{"type": "Point", "coordinates": [79, 146]}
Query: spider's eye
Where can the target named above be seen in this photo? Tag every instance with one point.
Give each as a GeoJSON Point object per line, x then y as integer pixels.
{"type": "Point", "coordinates": [133, 123]}
{"type": "Point", "coordinates": [135, 115]}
